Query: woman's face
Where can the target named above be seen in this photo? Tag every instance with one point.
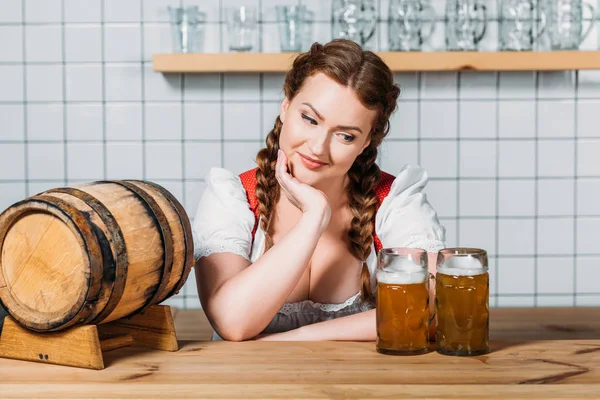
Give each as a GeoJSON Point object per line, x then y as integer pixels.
{"type": "Point", "coordinates": [325, 127]}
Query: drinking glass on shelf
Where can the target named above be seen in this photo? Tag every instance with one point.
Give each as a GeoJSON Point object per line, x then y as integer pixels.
{"type": "Point", "coordinates": [293, 21]}
{"type": "Point", "coordinates": [187, 29]}
{"type": "Point", "coordinates": [565, 23]}
{"type": "Point", "coordinates": [242, 27]}
{"type": "Point", "coordinates": [354, 20]}
{"type": "Point", "coordinates": [517, 24]}
{"type": "Point", "coordinates": [466, 22]}
{"type": "Point", "coordinates": [411, 23]}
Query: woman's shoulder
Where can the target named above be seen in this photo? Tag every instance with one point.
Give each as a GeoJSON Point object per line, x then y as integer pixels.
{"type": "Point", "coordinates": [226, 186]}
{"type": "Point", "coordinates": [410, 177]}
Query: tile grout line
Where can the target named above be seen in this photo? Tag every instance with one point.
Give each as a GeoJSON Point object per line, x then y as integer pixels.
{"type": "Point", "coordinates": [143, 92]}
{"type": "Point", "coordinates": [103, 77]}
{"type": "Point", "coordinates": [25, 105]}
{"type": "Point", "coordinates": [575, 186]}
{"type": "Point", "coordinates": [497, 205]}
{"type": "Point", "coordinates": [536, 188]}
{"type": "Point", "coordinates": [458, 142]}
{"type": "Point", "coordinates": [64, 98]}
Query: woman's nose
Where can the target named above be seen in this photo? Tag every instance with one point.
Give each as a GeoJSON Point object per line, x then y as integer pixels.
{"type": "Point", "coordinates": [318, 143]}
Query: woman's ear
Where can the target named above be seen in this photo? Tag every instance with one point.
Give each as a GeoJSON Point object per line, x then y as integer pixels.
{"type": "Point", "coordinates": [366, 144]}
{"type": "Point", "coordinates": [285, 104]}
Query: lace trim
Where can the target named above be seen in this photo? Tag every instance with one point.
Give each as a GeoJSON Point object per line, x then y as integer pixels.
{"type": "Point", "coordinates": [207, 250]}
{"type": "Point", "coordinates": [290, 308]}
{"type": "Point", "coordinates": [429, 245]}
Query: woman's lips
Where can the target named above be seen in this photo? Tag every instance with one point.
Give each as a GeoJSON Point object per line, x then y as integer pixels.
{"type": "Point", "coordinates": [310, 163]}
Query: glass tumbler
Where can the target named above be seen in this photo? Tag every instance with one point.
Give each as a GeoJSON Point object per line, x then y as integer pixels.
{"type": "Point", "coordinates": [187, 29]}
{"type": "Point", "coordinates": [402, 301]}
{"type": "Point", "coordinates": [462, 302]}
{"type": "Point", "coordinates": [242, 27]}
{"type": "Point", "coordinates": [292, 20]}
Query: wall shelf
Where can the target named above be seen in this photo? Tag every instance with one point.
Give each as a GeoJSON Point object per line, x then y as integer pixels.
{"type": "Point", "coordinates": [398, 61]}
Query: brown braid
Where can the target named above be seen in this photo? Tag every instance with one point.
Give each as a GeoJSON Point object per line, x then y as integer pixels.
{"type": "Point", "coordinates": [267, 188]}
{"type": "Point", "coordinates": [362, 201]}
{"type": "Point", "coordinates": [345, 62]}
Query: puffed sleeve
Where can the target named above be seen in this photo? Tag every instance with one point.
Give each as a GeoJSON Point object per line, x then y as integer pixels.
{"type": "Point", "coordinates": [223, 220]}
{"type": "Point", "coordinates": [405, 217]}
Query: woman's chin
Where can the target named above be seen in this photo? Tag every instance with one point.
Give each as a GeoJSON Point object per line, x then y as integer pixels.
{"type": "Point", "coordinates": [305, 175]}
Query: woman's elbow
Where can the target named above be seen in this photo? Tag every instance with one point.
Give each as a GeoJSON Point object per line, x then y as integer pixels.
{"type": "Point", "coordinates": [233, 334]}
{"type": "Point", "coordinates": [232, 329]}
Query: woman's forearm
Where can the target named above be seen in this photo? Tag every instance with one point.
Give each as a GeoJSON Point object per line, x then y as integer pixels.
{"type": "Point", "coordinates": [247, 302]}
{"type": "Point", "coordinates": [356, 327]}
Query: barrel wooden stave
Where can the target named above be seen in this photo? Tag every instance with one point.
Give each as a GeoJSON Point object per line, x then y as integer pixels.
{"type": "Point", "coordinates": [136, 232]}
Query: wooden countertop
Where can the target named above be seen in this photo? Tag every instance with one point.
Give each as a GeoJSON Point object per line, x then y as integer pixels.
{"type": "Point", "coordinates": [542, 353]}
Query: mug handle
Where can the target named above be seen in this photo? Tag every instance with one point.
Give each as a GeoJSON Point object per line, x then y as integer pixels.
{"type": "Point", "coordinates": [372, 25]}
{"type": "Point", "coordinates": [481, 9]}
{"type": "Point", "coordinates": [428, 11]}
{"type": "Point", "coordinates": [543, 26]}
{"type": "Point", "coordinates": [590, 23]}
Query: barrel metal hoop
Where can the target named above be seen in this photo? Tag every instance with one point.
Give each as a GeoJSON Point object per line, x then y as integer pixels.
{"type": "Point", "coordinates": [166, 236]}
{"type": "Point", "coordinates": [118, 241]}
{"type": "Point", "coordinates": [75, 219]}
{"type": "Point", "coordinates": [187, 234]}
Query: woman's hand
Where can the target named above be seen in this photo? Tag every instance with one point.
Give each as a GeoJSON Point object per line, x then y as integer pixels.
{"type": "Point", "coordinates": [308, 199]}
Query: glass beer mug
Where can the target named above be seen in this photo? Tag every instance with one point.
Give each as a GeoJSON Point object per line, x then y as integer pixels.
{"type": "Point", "coordinates": [411, 23]}
{"type": "Point", "coordinates": [402, 301]}
{"type": "Point", "coordinates": [354, 20]}
{"type": "Point", "coordinates": [462, 302]}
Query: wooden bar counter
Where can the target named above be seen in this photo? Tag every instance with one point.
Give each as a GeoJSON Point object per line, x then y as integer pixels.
{"type": "Point", "coordinates": [537, 353]}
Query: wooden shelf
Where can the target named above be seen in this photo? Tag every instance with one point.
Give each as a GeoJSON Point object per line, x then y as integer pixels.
{"type": "Point", "coordinates": [398, 61]}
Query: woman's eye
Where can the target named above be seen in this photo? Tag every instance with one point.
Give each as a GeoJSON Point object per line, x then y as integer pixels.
{"type": "Point", "coordinates": [347, 138]}
{"type": "Point", "coordinates": [309, 119]}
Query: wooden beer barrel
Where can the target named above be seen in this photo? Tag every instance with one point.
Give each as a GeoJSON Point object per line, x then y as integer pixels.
{"type": "Point", "coordinates": [92, 253]}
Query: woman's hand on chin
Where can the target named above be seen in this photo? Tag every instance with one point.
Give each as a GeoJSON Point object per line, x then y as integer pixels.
{"type": "Point", "coordinates": [309, 200]}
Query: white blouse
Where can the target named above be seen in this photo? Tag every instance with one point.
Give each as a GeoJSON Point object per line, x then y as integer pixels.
{"type": "Point", "coordinates": [224, 221]}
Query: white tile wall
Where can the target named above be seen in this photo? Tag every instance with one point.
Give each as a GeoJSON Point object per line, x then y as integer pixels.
{"type": "Point", "coordinates": [11, 50]}
{"type": "Point", "coordinates": [12, 122]}
{"type": "Point", "coordinates": [512, 156]}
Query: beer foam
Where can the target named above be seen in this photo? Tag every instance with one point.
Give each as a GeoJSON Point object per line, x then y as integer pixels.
{"type": "Point", "coordinates": [402, 272]}
{"type": "Point", "coordinates": [462, 265]}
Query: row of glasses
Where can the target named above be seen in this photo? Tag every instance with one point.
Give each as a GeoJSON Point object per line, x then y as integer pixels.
{"type": "Point", "coordinates": [411, 23]}
{"type": "Point", "coordinates": [188, 35]}
{"type": "Point", "coordinates": [461, 309]}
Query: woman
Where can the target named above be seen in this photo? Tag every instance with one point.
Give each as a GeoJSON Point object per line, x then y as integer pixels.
{"type": "Point", "coordinates": [286, 251]}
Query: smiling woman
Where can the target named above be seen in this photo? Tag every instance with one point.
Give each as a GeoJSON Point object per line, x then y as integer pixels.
{"type": "Point", "coordinates": [287, 251]}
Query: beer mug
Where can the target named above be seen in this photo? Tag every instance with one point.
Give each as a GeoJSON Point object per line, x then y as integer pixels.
{"type": "Point", "coordinates": [462, 302]}
{"type": "Point", "coordinates": [354, 20]}
{"type": "Point", "coordinates": [411, 23]}
{"type": "Point", "coordinates": [565, 23]}
{"type": "Point", "coordinates": [466, 22]}
{"type": "Point", "coordinates": [517, 25]}
{"type": "Point", "coordinates": [402, 312]}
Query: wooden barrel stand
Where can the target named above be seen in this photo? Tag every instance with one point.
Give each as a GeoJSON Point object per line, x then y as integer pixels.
{"type": "Point", "coordinates": [82, 346]}
{"type": "Point", "coordinates": [84, 268]}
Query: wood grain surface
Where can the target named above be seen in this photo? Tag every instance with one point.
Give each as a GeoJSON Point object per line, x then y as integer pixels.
{"type": "Point", "coordinates": [539, 353]}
